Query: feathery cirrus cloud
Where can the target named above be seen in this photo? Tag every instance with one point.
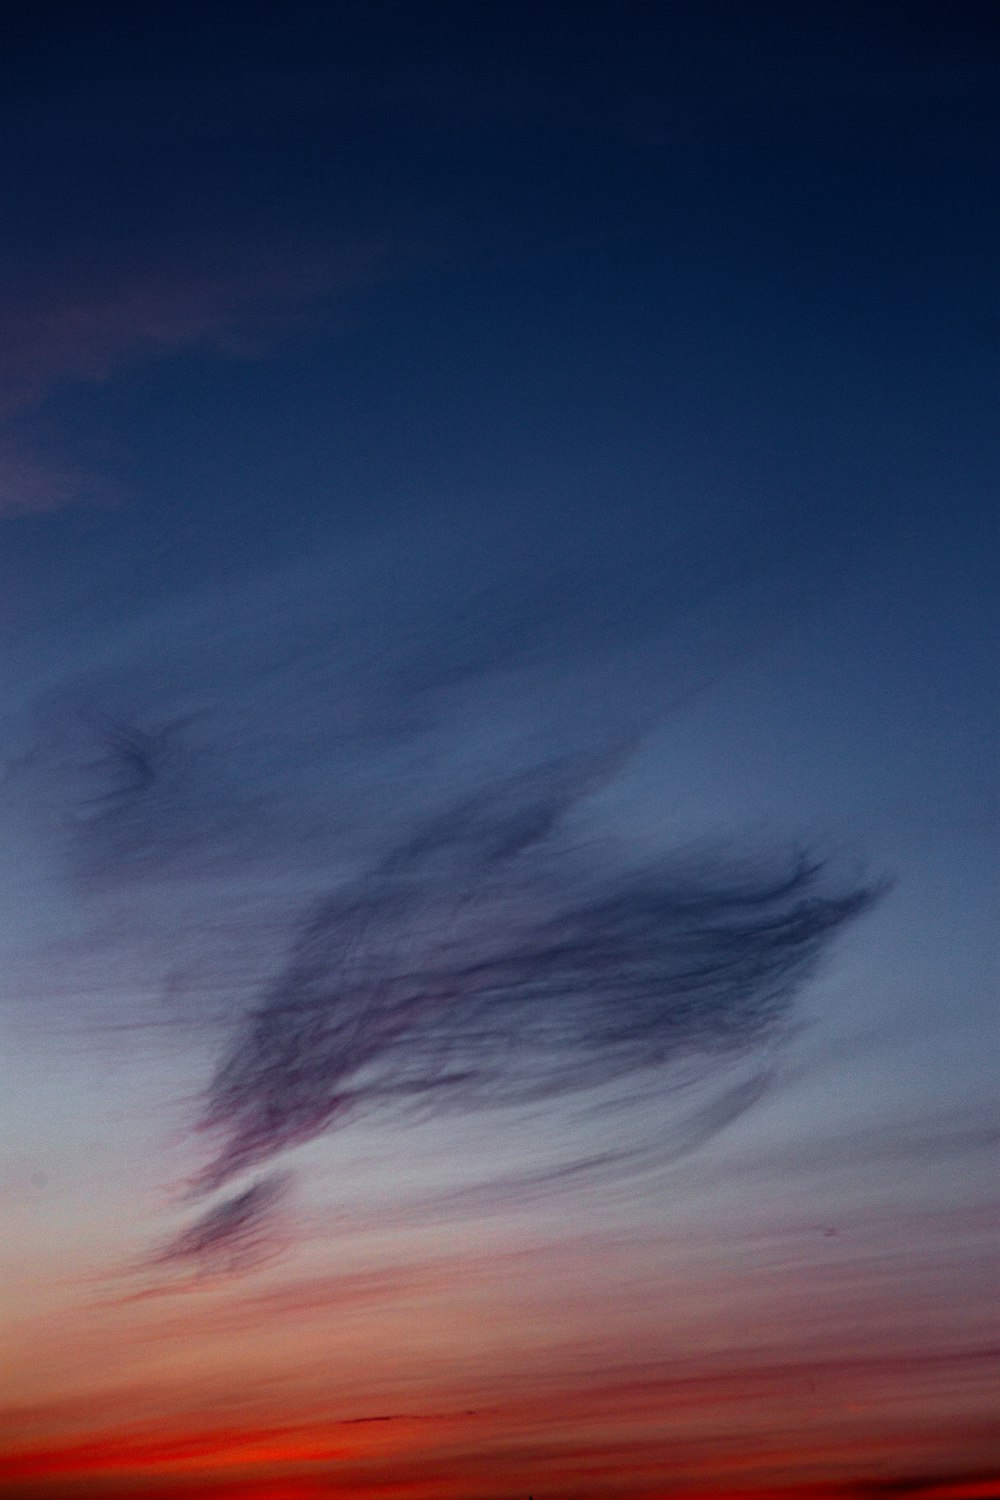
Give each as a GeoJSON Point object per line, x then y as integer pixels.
{"type": "Point", "coordinates": [388, 788]}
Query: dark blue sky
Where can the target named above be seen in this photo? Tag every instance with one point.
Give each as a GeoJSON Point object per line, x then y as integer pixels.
{"type": "Point", "coordinates": [498, 603]}
{"type": "Point", "coordinates": [659, 259]}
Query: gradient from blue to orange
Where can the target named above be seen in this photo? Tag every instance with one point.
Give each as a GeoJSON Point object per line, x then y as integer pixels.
{"type": "Point", "coordinates": [395, 401]}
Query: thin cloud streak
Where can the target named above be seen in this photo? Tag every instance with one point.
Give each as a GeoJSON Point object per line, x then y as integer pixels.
{"type": "Point", "coordinates": [234, 1234]}
{"type": "Point", "coordinates": [63, 332]}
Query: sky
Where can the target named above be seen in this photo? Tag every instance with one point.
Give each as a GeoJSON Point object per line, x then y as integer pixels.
{"type": "Point", "coordinates": [498, 612]}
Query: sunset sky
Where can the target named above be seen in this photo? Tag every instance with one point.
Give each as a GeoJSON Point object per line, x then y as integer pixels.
{"type": "Point", "coordinates": [498, 611]}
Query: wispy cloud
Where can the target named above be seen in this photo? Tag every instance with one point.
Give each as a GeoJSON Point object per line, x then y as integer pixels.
{"type": "Point", "coordinates": [484, 963]}
{"type": "Point", "coordinates": [232, 1235]}
{"type": "Point", "coordinates": [362, 827]}
{"type": "Point", "coordinates": [67, 329]}
{"type": "Point", "coordinates": [481, 964]}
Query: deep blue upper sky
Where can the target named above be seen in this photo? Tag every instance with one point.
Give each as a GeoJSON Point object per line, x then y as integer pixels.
{"type": "Point", "coordinates": [647, 258]}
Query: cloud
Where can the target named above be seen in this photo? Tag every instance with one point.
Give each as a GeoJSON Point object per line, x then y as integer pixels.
{"type": "Point", "coordinates": [63, 330]}
{"type": "Point", "coordinates": [322, 708]}
{"type": "Point", "coordinates": [919, 1141]}
{"type": "Point", "coordinates": [233, 1235]}
{"type": "Point", "coordinates": [348, 808]}
{"type": "Point", "coordinates": [485, 962]}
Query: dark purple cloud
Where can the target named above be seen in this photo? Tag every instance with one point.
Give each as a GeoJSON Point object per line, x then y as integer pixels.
{"type": "Point", "coordinates": [485, 962]}
{"type": "Point", "coordinates": [233, 1235]}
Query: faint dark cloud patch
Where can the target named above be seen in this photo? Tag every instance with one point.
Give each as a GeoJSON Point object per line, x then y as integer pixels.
{"type": "Point", "coordinates": [64, 329]}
